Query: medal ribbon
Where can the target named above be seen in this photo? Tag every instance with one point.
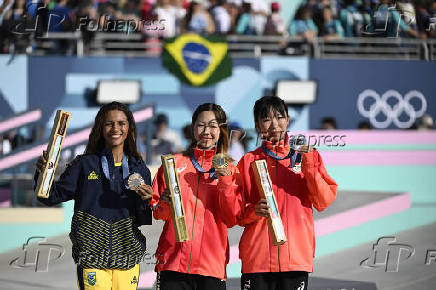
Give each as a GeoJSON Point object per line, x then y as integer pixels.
{"type": "Point", "coordinates": [125, 166]}
{"type": "Point", "coordinates": [295, 158]}
{"type": "Point", "coordinates": [212, 174]}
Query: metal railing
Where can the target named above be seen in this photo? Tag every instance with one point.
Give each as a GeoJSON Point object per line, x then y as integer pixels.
{"type": "Point", "coordinates": [136, 44]}
{"type": "Point", "coordinates": [432, 49]}
{"type": "Point", "coordinates": [371, 48]}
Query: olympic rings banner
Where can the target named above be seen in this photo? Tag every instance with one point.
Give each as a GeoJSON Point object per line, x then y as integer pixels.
{"type": "Point", "coordinates": [387, 94]}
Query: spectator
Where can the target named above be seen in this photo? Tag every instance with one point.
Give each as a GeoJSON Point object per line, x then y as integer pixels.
{"type": "Point", "coordinates": [260, 11]}
{"type": "Point", "coordinates": [130, 10]}
{"type": "Point", "coordinates": [367, 6]}
{"type": "Point", "coordinates": [12, 140]}
{"type": "Point", "coordinates": [415, 18]}
{"type": "Point", "coordinates": [408, 13]}
{"type": "Point", "coordinates": [303, 24]}
{"type": "Point", "coordinates": [364, 125]}
{"type": "Point", "coordinates": [6, 145]}
{"type": "Point", "coordinates": [433, 9]}
{"type": "Point", "coordinates": [86, 14]}
{"type": "Point", "coordinates": [328, 123]}
{"type": "Point", "coordinates": [274, 23]}
{"type": "Point", "coordinates": [171, 17]}
{"type": "Point", "coordinates": [182, 6]}
{"type": "Point", "coordinates": [221, 16]}
{"type": "Point", "coordinates": [311, 4]}
{"type": "Point", "coordinates": [198, 20]}
{"type": "Point", "coordinates": [18, 10]}
{"type": "Point", "coordinates": [236, 148]}
{"type": "Point", "coordinates": [431, 28]}
{"type": "Point", "coordinates": [166, 134]}
{"type": "Point", "coordinates": [146, 9]}
{"type": "Point", "coordinates": [317, 11]}
{"type": "Point", "coordinates": [59, 19]}
{"type": "Point", "coordinates": [331, 28]}
{"type": "Point", "coordinates": [4, 7]}
{"type": "Point", "coordinates": [423, 21]}
{"type": "Point", "coordinates": [425, 123]}
{"type": "Point", "coordinates": [245, 23]}
{"type": "Point", "coordinates": [110, 15]}
{"type": "Point", "coordinates": [233, 10]}
{"type": "Point", "coordinates": [140, 144]}
{"type": "Point", "coordinates": [366, 11]}
{"type": "Point", "coordinates": [187, 133]}
{"type": "Point", "coordinates": [389, 22]}
{"type": "Point", "coordinates": [352, 20]}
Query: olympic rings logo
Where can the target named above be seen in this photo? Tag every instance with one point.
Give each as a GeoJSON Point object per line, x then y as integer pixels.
{"type": "Point", "coordinates": [379, 105]}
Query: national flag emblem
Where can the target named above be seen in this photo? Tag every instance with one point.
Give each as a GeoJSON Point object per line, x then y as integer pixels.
{"type": "Point", "coordinates": [197, 60]}
{"type": "Point", "coordinates": [93, 175]}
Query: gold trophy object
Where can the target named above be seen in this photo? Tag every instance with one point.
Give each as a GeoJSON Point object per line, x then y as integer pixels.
{"type": "Point", "coordinates": [264, 185]}
{"type": "Point", "coordinates": [176, 207]}
{"type": "Point", "coordinates": [54, 147]}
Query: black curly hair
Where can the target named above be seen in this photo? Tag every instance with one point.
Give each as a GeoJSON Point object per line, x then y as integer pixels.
{"type": "Point", "coordinates": [96, 141]}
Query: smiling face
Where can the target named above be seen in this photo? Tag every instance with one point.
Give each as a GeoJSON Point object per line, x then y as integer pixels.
{"type": "Point", "coordinates": [115, 128]}
{"type": "Point", "coordinates": [273, 126]}
{"type": "Point", "coordinates": [206, 130]}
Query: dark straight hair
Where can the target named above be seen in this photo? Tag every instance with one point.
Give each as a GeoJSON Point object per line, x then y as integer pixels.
{"type": "Point", "coordinates": [96, 141]}
{"type": "Point", "coordinates": [264, 105]}
{"type": "Point", "coordinates": [220, 115]}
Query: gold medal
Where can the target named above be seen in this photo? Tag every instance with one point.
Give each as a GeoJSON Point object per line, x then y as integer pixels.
{"type": "Point", "coordinates": [221, 160]}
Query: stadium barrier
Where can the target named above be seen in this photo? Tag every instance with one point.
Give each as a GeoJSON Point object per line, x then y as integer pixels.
{"type": "Point", "coordinates": [136, 44]}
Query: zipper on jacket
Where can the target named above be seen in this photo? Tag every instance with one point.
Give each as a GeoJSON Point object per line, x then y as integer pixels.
{"type": "Point", "coordinates": [195, 213]}
{"type": "Point", "coordinates": [277, 175]}
{"type": "Point", "coordinates": [110, 246]}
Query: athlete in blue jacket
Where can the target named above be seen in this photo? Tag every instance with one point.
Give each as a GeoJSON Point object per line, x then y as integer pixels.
{"type": "Point", "coordinates": [107, 244]}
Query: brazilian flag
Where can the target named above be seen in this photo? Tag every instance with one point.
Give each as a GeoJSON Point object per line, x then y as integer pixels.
{"type": "Point", "coordinates": [197, 60]}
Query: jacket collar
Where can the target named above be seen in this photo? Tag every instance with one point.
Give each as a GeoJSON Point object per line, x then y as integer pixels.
{"type": "Point", "coordinates": [208, 154]}
{"type": "Point", "coordinates": [281, 149]}
{"type": "Point", "coordinates": [110, 158]}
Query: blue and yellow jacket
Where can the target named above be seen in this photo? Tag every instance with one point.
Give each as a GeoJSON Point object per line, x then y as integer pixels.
{"type": "Point", "coordinates": [104, 228]}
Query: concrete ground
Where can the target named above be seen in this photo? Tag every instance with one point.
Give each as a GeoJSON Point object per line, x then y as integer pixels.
{"type": "Point", "coordinates": [341, 270]}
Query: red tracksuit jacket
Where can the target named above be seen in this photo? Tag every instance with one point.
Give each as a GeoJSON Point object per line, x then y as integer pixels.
{"type": "Point", "coordinates": [297, 194]}
{"type": "Point", "coordinates": [207, 251]}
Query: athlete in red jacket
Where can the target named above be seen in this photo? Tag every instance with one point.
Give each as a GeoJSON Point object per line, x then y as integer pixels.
{"type": "Point", "coordinates": [265, 266]}
{"type": "Point", "coordinates": [199, 263]}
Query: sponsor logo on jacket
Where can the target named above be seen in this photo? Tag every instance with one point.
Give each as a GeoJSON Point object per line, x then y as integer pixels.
{"type": "Point", "coordinates": [93, 175]}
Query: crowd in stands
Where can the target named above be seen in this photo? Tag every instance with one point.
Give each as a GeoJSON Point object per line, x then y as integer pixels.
{"type": "Point", "coordinates": [168, 18]}
{"type": "Point", "coordinates": [422, 124]}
